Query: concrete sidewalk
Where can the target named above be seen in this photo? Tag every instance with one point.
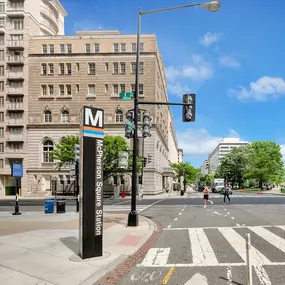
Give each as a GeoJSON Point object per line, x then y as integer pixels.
{"type": "Point", "coordinates": [38, 249]}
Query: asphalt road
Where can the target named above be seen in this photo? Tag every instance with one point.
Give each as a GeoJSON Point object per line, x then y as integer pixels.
{"type": "Point", "coordinates": [200, 246]}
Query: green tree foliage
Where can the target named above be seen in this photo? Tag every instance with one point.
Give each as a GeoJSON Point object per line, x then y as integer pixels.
{"type": "Point", "coordinates": [209, 178]}
{"type": "Point", "coordinates": [191, 172]}
{"type": "Point", "coordinates": [265, 161]}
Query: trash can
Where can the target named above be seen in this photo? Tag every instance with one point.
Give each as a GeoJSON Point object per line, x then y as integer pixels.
{"type": "Point", "coordinates": [60, 206]}
{"type": "Point", "coordinates": [49, 206]}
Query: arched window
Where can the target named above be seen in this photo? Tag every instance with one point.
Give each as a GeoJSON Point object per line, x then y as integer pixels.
{"type": "Point", "coordinates": [65, 116]}
{"type": "Point", "coordinates": [119, 116]}
{"type": "Point", "coordinates": [47, 116]}
{"type": "Point", "coordinates": [47, 148]}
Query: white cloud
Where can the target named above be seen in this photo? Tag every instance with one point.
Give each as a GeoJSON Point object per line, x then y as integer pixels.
{"type": "Point", "coordinates": [229, 61]}
{"type": "Point", "coordinates": [263, 89]}
{"type": "Point", "coordinates": [210, 38]}
{"type": "Point", "coordinates": [233, 134]}
{"type": "Point", "coordinates": [198, 70]}
{"type": "Point", "coordinates": [178, 89]}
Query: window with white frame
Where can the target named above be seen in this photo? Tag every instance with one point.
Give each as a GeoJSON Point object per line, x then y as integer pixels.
{"type": "Point", "coordinates": [96, 48]}
{"type": "Point", "coordinates": [69, 68]}
{"type": "Point", "coordinates": [141, 47]}
{"type": "Point", "coordinates": [1, 163]}
{"type": "Point", "coordinates": [65, 116]}
{"type": "Point", "coordinates": [2, 70]}
{"type": "Point", "coordinates": [44, 90]}
{"type": "Point", "coordinates": [62, 48]}
{"type": "Point", "coordinates": [61, 68]}
{"type": "Point", "coordinates": [2, 7]}
{"type": "Point", "coordinates": [115, 68]}
{"type": "Point", "coordinates": [115, 89]}
{"type": "Point", "coordinates": [68, 89]}
{"type": "Point", "coordinates": [44, 69]}
{"type": "Point", "coordinates": [69, 48]}
{"type": "Point", "coordinates": [133, 67]}
{"type": "Point", "coordinates": [134, 47]}
{"type": "Point", "coordinates": [122, 67]}
{"type": "Point", "coordinates": [51, 68]}
{"type": "Point", "coordinates": [47, 116]}
{"type": "Point", "coordinates": [18, 24]}
{"type": "Point", "coordinates": [51, 90]}
{"type": "Point", "coordinates": [51, 49]}
{"type": "Point", "coordinates": [140, 89]}
{"type": "Point", "coordinates": [1, 54]}
{"type": "Point", "coordinates": [123, 87]}
{"type": "Point", "coordinates": [47, 148]}
{"type": "Point", "coordinates": [1, 117]}
{"type": "Point", "coordinates": [106, 66]}
{"type": "Point", "coordinates": [91, 68]}
{"type": "Point", "coordinates": [116, 47]}
{"type": "Point", "coordinates": [1, 132]}
{"type": "Point", "coordinates": [61, 90]}
{"type": "Point", "coordinates": [139, 116]}
{"type": "Point", "coordinates": [1, 101]}
{"type": "Point", "coordinates": [91, 90]}
{"type": "Point", "coordinates": [44, 49]}
{"type": "Point", "coordinates": [1, 39]}
{"type": "Point", "coordinates": [1, 147]}
{"type": "Point", "coordinates": [119, 116]}
{"type": "Point", "coordinates": [106, 88]}
{"type": "Point", "coordinates": [2, 85]}
{"type": "Point", "coordinates": [87, 48]}
{"type": "Point", "coordinates": [123, 47]}
{"type": "Point", "coordinates": [141, 68]}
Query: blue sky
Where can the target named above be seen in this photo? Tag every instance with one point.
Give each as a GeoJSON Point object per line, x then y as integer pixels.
{"type": "Point", "coordinates": [233, 60]}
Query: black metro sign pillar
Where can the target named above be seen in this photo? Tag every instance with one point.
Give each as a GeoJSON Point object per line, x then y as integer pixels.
{"type": "Point", "coordinates": [91, 182]}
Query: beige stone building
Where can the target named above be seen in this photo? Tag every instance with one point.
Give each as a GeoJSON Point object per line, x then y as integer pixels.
{"type": "Point", "coordinates": [19, 20]}
{"type": "Point", "coordinates": [92, 68]}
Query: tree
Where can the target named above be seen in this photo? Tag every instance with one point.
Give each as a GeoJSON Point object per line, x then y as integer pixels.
{"type": "Point", "coordinates": [265, 161]}
{"type": "Point", "coordinates": [209, 179]}
{"type": "Point", "coordinates": [191, 172]}
{"type": "Point", "coordinates": [63, 152]}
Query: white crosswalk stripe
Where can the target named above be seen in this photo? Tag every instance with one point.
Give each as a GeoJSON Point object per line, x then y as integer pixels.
{"type": "Point", "coordinates": [122, 208]}
{"type": "Point", "coordinates": [206, 252]}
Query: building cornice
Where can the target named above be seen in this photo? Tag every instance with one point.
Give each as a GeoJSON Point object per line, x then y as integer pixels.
{"type": "Point", "coordinates": [89, 54]}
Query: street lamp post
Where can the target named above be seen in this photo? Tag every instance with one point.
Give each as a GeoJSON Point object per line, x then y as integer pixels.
{"type": "Point", "coordinates": [211, 6]}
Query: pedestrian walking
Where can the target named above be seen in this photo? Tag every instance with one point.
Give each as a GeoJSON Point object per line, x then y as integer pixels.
{"type": "Point", "coordinates": [226, 193]}
{"type": "Point", "coordinates": [206, 196]}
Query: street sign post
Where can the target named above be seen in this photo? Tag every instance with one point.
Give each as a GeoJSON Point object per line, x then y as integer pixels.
{"type": "Point", "coordinates": [91, 182]}
{"type": "Point", "coordinates": [126, 95]}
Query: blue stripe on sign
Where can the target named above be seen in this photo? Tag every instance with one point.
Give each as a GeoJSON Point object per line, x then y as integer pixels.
{"type": "Point", "coordinates": [93, 133]}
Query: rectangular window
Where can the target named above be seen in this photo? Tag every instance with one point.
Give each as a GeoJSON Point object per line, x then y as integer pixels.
{"type": "Point", "coordinates": [51, 90]}
{"type": "Point", "coordinates": [1, 54]}
{"type": "Point", "coordinates": [106, 88]}
{"type": "Point", "coordinates": [1, 85]}
{"type": "Point", "coordinates": [69, 48]}
{"type": "Point", "coordinates": [140, 89]}
{"type": "Point", "coordinates": [61, 68]}
{"type": "Point", "coordinates": [1, 132]}
{"type": "Point", "coordinates": [115, 68]}
{"type": "Point", "coordinates": [96, 48]}
{"type": "Point", "coordinates": [123, 68]}
{"type": "Point", "coordinates": [134, 47]}
{"type": "Point", "coordinates": [141, 68]}
{"type": "Point", "coordinates": [77, 66]}
{"type": "Point", "coordinates": [106, 66]}
{"type": "Point", "coordinates": [134, 88]}
{"type": "Point", "coordinates": [2, 70]}
{"type": "Point", "coordinates": [123, 47]}
{"type": "Point", "coordinates": [116, 47]}
{"type": "Point", "coordinates": [18, 24]}
{"type": "Point", "coordinates": [44, 49]}
{"type": "Point", "coordinates": [91, 90]}
{"type": "Point", "coordinates": [1, 163]}
{"type": "Point", "coordinates": [1, 147]}
{"type": "Point", "coordinates": [77, 88]}
{"type": "Point", "coordinates": [2, 7]}
{"type": "Point", "coordinates": [51, 49]}
{"type": "Point", "coordinates": [1, 101]}
{"type": "Point", "coordinates": [44, 90]}
{"type": "Point", "coordinates": [62, 48]}
{"type": "Point", "coordinates": [1, 39]}
{"type": "Point", "coordinates": [116, 89]}
{"type": "Point", "coordinates": [51, 68]}
{"type": "Point", "coordinates": [133, 67]}
{"type": "Point", "coordinates": [123, 87]}
{"type": "Point", "coordinates": [91, 68]}
{"type": "Point", "coordinates": [44, 69]}
{"type": "Point", "coordinates": [2, 22]}
{"type": "Point", "coordinates": [69, 68]}
{"type": "Point", "coordinates": [1, 117]}
{"type": "Point", "coordinates": [141, 47]}
{"type": "Point", "coordinates": [87, 48]}
{"type": "Point", "coordinates": [68, 90]}
{"type": "Point", "coordinates": [61, 90]}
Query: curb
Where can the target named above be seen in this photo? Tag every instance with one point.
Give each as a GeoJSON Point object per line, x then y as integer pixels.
{"type": "Point", "coordinates": [114, 275]}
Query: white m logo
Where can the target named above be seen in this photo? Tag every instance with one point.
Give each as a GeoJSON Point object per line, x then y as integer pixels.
{"type": "Point", "coordinates": [90, 120]}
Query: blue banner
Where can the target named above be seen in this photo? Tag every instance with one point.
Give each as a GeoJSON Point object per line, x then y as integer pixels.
{"type": "Point", "coordinates": [17, 170]}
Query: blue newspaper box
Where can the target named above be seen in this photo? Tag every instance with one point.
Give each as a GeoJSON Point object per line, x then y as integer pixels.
{"type": "Point", "coordinates": [49, 206]}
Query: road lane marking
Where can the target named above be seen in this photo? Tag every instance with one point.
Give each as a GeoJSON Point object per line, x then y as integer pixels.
{"type": "Point", "coordinates": [168, 275]}
{"type": "Point", "coordinates": [126, 201]}
{"type": "Point", "coordinates": [149, 206]}
{"type": "Point", "coordinates": [228, 213]}
{"type": "Point", "coordinates": [156, 257]}
{"type": "Point", "coordinates": [211, 202]}
{"type": "Point", "coordinates": [197, 279]}
{"type": "Point", "coordinates": [262, 275]}
{"type": "Point", "coordinates": [169, 227]}
{"type": "Point", "coordinates": [217, 213]}
{"type": "Point", "coordinates": [232, 218]}
{"type": "Point", "coordinates": [238, 243]}
{"type": "Point", "coordinates": [180, 214]}
{"type": "Point", "coordinates": [229, 275]}
{"type": "Point", "coordinates": [175, 219]}
{"type": "Point", "coordinates": [202, 251]}
{"type": "Point", "coordinates": [210, 228]}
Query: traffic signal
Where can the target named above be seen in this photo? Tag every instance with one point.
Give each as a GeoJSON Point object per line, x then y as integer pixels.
{"type": "Point", "coordinates": [146, 125]}
{"type": "Point", "coordinates": [76, 152]}
{"type": "Point", "coordinates": [140, 179]}
{"type": "Point", "coordinates": [180, 172]}
{"type": "Point", "coordinates": [129, 131]}
{"type": "Point", "coordinates": [144, 161]}
{"type": "Point", "coordinates": [184, 172]}
{"type": "Point", "coordinates": [188, 112]}
{"type": "Point", "coordinates": [149, 157]}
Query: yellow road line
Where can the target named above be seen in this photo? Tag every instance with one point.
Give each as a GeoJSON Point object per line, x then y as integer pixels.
{"type": "Point", "coordinates": [168, 275]}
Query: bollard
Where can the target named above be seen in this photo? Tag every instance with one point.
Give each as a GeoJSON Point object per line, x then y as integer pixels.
{"type": "Point", "coordinates": [77, 204]}
{"type": "Point", "coordinates": [17, 212]}
{"type": "Point", "coordinates": [248, 259]}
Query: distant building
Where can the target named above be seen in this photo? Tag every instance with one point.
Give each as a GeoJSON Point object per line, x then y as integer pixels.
{"type": "Point", "coordinates": [224, 147]}
{"type": "Point", "coordinates": [180, 155]}
{"type": "Point", "coordinates": [205, 168]}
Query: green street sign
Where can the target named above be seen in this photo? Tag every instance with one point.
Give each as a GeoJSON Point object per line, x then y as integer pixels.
{"type": "Point", "coordinates": [126, 95]}
{"type": "Point", "coordinates": [130, 124]}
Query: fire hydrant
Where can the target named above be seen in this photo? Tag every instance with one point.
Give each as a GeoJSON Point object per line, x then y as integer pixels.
{"type": "Point", "coordinates": [123, 193]}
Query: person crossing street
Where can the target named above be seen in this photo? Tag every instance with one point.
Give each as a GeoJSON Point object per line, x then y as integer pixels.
{"type": "Point", "coordinates": [206, 196]}
{"type": "Point", "coordinates": [226, 193]}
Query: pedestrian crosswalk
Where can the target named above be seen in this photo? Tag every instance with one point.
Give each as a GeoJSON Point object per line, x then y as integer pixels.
{"type": "Point", "coordinates": [123, 208]}
{"type": "Point", "coordinates": [221, 246]}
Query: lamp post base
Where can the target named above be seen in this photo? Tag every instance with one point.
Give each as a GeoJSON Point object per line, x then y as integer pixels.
{"type": "Point", "coordinates": [133, 220]}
